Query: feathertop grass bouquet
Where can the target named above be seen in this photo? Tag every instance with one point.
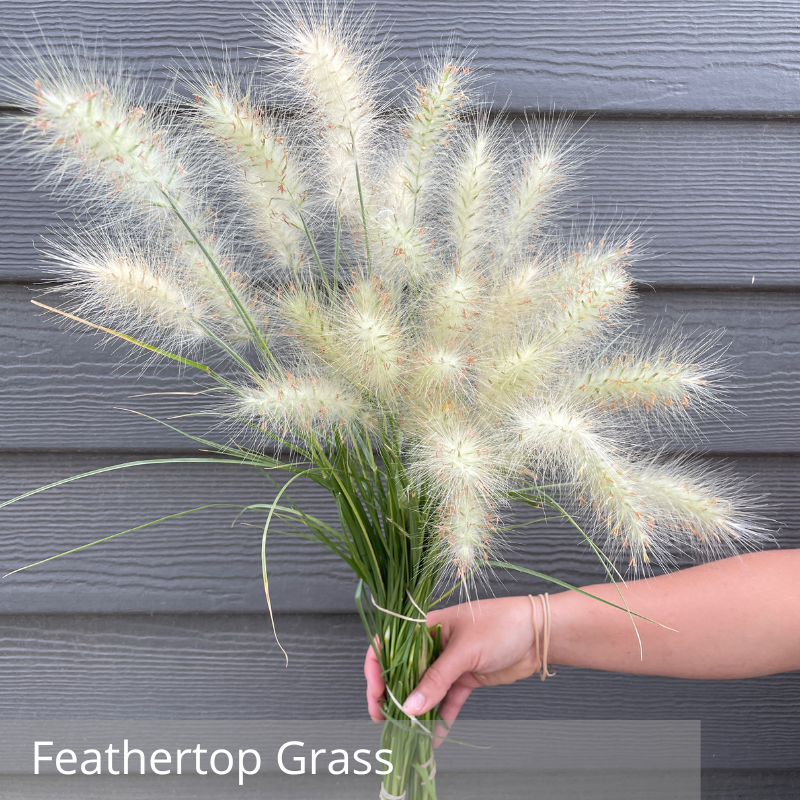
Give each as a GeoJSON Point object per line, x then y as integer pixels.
{"type": "Point", "coordinates": [375, 285]}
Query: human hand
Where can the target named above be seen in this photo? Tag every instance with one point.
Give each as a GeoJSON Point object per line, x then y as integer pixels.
{"type": "Point", "coordinates": [484, 643]}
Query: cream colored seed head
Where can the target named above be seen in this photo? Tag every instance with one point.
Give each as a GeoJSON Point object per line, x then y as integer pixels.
{"type": "Point", "coordinates": [133, 290]}
{"type": "Point", "coordinates": [269, 179]}
{"type": "Point", "coordinates": [308, 320]}
{"type": "Point", "coordinates": [456, 305]}
{"type": "Point", "coordinates": [630, 382]}
{"type": "Point", "coordinates": [111, 140]}
{"type": "Point", "coordinates": [514, 371]}
{"type": "Point", "coordinates": [335, 80]}
{"type": "Point", "coordinates": [439, 369]}
{"type": "Point", "coordinates": [471, 200]}
{"type": "Point", "coordinates": [428, 128]}
{"type": "Point", "coordinates": [300, 403]}
{"type": "Point", "coordinates": [454, 455]}
{"type": "Point", "coordinates": [465, 528]}
{"type": "Point", "coordinates": [596, 299]}
{"type": "Point", "coordinates": [371, 339]}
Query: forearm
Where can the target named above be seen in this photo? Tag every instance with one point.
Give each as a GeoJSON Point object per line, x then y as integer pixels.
{"type": "Point", "coordinates": [735, 618]}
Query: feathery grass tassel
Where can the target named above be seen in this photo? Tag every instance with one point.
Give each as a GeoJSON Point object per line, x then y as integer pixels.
{"type": "Point", "coordinates": [568, 443]}
{"type": "Point", "coordinates": [517, 370]}
{"type": "Point", "coordinates": [594, 290]}
{"type": "Point", "coordinates": [117, 153]}
{"type": "Point", "coordinates": [429, 124]}
{"type": "Point", "coordinates": [121, 284]}
{"type": "Point", "coordinates": [370, 340]}
{"type": "Point", "coordinates": [455, 306]}
{"type": "Point", "coordinates": [335, 73]}
{"type": "Point", "coordinates": [550, 160]}
{"type": "Point", "coordinates": [271, 183]}
{"type": "Point", "coordinates": [699, 513]}
{"type": "Point", "coordinates": [465, 527]}
{"type": "Point", "coordinates": [101, 132]}
{"type": "Point", "coordinates": [658, 382]}
{"type": "Point", "coordinates": [471, 199]}
{"type": "Point", "coordinates": [299, 404]}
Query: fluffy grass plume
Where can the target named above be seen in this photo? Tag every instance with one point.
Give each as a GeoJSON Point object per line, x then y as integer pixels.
{"type": "Point", "coordinates": [379, 286]}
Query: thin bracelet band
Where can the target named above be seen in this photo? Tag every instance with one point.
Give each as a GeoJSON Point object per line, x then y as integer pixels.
{"type": "Point", "coordinates": [541, 653]}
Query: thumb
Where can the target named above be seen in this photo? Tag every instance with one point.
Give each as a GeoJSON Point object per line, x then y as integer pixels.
{"type": "Point", "coordinates": [438, 679]}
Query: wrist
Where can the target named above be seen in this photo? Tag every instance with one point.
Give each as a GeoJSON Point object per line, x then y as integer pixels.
{"type": "Point", "coordinates": [541, 625]}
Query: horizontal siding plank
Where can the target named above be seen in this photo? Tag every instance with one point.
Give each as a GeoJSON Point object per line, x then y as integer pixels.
{"type": "Point", "coordinates": [591, 55]}
{"type": "Point", "coordinates": [60, 392]}
{"type": "Point", "coordinates": [204, 563]}
{"type": "Point", "coordinates": [749, 784]}
{"type": "Point", "coordinates": [229, 667]}
{"type": "Point", "coordinates": [755, 784]}
{"type": "Point", "coordinates": [601, 785]}
{"type": "Point", "coordinates": [718, 203]}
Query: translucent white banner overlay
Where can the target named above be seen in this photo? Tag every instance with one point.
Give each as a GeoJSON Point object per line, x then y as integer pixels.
{"type": "Point", "coordinates": [293, 759]}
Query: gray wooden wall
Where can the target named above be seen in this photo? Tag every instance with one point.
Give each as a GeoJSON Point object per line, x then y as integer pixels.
{"type": "Point", "coordinates": [693, 112]}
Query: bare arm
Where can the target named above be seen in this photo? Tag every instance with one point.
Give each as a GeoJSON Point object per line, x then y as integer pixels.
{"type": "Point", "coordinates": [735, 618]}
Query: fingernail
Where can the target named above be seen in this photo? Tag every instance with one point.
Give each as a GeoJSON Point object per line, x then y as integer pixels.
{"type": "Point", "coordinates": [414, 703]}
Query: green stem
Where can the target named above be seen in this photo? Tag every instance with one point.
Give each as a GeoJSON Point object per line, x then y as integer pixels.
{"type": "Point", "coordinates": [152, 348]}
{"type": "Point", "coordinates": [336, 253]}
{"type": "Point", "coordinates": [363, 212]}
{"type": "Point", "coordinates": [316, 253]}
{"type": "Point", "coordinates": [223, 279]}
{"type": "Point", "coordinates": [232, 353]}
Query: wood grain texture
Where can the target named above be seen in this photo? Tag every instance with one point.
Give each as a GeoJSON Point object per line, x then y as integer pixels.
{"type": "Point", "coordinates": [60, 392]}
{"type": "Point", "coordinates": [204, 563]}
{"type": "Point", "coordinates": [716, 202]}
{"type": "Point", "coordinates": [733, 784]}
{"type": "Point", "coordinates": [600, 785]}
{"type": "Point", "coordinates": [592, 55]}
{"type": "Point", "coordinates": [229, 667]}
{"type": "Point", "coordinates": [749, 784]}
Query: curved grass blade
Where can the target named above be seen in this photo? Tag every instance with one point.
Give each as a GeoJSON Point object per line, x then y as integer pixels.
{"type": "Point", "coordinates": [563, 584]}
{"type": "Point", "coordinates": [320, 531]}
{"type": "Point", "coordinates": [222, 278]}
{"type": "Point", "coordinates": [604, 559]}
{"type": "Point", "coordinates": [316, 253]}
{"type": "Point", "coordinates": [608, 564]}
{"type": "Point", "coordinates": [122, 533]}
{"type": "Point", "coordinates": [253, 458]}
{"type": "Point", "coordinates": [363, 214]}
{"type": "Point", "coordinates": [272, 507]}
{"type": "Point", "coordinates": [124, 336]}
{"type": "Point", "coordinates": [185, 460]}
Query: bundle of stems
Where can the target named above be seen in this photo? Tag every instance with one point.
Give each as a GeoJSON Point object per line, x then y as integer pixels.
{"type": "Point", "coordinates": [378, 288]}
